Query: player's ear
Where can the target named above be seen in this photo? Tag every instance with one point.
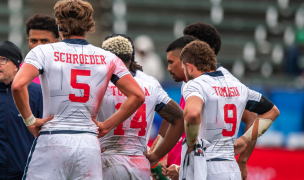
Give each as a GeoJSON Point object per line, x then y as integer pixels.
{"type": "Point", "coordinates": [190, 66]}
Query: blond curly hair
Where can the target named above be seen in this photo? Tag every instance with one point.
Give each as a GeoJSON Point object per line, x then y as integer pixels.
{"type": "Point", "coordinates": [119, 46]}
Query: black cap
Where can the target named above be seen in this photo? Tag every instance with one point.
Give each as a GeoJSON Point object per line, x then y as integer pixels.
{"type": "Point", "coordinates": [11, 51]}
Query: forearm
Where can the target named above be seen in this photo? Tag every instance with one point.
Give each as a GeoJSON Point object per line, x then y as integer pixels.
{"type": "Point", "coordinates": [161, 134]}
{"type": "Point", "coordinates": [163, 128]}
{"type": "Point", "coordinates": [261, 124]}
{"type": "Point", "coordinates": [174, 132]}
{"type": "Point", "coordinates": [127, 108]}
{"type": "Point", "coordinates": [21, 98]}
{"type": "Point", "coordinates": [192, 115]}
{"type": "Point", "coordinates": [19, 88]}
{"type": "Point", "coordinates": [244, 156]}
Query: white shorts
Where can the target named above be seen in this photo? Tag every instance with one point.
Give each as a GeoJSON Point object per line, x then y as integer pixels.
{"type": "Point", "coordinates": [64, 156]}
{"type": "Point", "coordinates": [223, 170]}
{"type": "Point", "coordinates": [124, 167]}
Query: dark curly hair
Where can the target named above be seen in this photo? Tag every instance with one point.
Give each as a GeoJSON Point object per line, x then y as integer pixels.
{"type": "Point", "coordinates": [75, 17]}
{"type": "Point", "coordinates": [180, 43]}
{"type": "Point", "coordinates": [206, 33]}
{"type": "Point", "coordinates": [42, 22]}
{"type": "Point", "coordinates": [200, 55]}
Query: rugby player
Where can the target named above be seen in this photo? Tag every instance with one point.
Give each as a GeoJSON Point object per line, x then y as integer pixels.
{"type": "Point", "coordinates": [208, 34]}
{"type": "Point", "coordinates": [74, 77]}
{"type": "Point", "coordinates": [125, 145]}
{"type": "Point", "coordinates": [213, 111]}
{"type": "Point", "coordinates": [41, 29]}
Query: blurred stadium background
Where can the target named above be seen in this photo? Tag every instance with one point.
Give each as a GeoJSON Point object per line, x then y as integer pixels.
{"type": "Point", "coordinates": [262, 45]}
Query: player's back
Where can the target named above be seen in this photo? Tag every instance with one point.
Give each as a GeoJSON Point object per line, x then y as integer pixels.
{"type": "Point", "coordinates": [74, 79]}
{"type": "Point", "coordinates": [224, 103]}
{"type": "Point", "coordinates": [130, 137]}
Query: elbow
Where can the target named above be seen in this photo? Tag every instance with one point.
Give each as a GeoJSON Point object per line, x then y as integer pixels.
{"type": "Point", "coordinates": [276, 111]}
{"type": "Point", "coordinates": [192, 117]}
{"type": "Point", "coordinates": [16, 87]}
{"type": "Point", "coordinates": [140, 98]}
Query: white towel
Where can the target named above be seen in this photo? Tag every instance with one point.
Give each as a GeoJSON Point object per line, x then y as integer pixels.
{"type": "Point", "coordinates": [194, 165]}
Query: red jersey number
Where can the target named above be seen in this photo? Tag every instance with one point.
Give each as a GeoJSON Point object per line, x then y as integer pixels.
{"type": "Point", "coordinates": [75, 85]}
{"type": "Point", "coordinates": [135, 123]}
{"type": "Point", "coordinates": [228, 110]}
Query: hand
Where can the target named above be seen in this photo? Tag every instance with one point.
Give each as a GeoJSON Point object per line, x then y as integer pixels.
{"type": "Point", "coordinates": [164, 165]}
{"type": "Point", "coordinates": [243, 168]}
{"type": "Point", "coordinates": [171, 172]}
{"type": "Point", "coordinates": [240, 145]}
{"type": "Point", "coordinates": [153, 159]}
{"type": "Point", "coordinates": [190, 149]}
{"type": "Point", "coordinates": [36, 127]}
{"type": "Point", "coordinates": [101, 128]}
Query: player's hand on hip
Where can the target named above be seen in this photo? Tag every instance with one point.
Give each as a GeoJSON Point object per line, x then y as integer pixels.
{"type": "Point", "coordinates": [153, 159]}
{"type": "Point", "coordinates": [172, 172]}
{"type": "Point", "coordinates": [240, 145]}
{"type": "Point", "coordinates": [101, 129]}
{"type": "Point", "coordinates": [35, 128]}
{"type": "Point", "coordinates": [243, 169]}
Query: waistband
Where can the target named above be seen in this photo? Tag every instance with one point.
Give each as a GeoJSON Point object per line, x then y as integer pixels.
{"type": "Point", "coordinates": [65, 132]}
{"type": "Point", "coordinates": [218, 159]}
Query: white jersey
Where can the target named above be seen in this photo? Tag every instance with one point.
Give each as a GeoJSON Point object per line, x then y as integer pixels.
{"type": "Point", "coordinates": [224, 104]}
{"type": "Point", "coordinates": [131, 136]}
{"type": "Point", "coordinates": [74, 76]}
{"type": "Point", "coordinates": [219, 67]}
{"type": "Point", "coordinates": [226, 73]}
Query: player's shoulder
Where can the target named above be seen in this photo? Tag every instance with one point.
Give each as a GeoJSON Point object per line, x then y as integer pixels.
{"type": "Point", "coordinates": [149, 79]}
{"type": "Point", "coordinates": [226, 73]}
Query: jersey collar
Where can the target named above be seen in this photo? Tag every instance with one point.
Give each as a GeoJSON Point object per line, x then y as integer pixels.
{"type": "Point", "coordinates": [133, 74]}
{"type": "Point", "coordinates": [214, 73]}
{"type": "Point", "coordinates": [76, 41]}
{"type": "Point", "coordinates": [218, 65]}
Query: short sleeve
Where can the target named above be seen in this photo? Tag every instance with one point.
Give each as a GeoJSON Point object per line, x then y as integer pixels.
{"type": "Point", "coordinates": [163, 98]}
{"type": "Point", "coordinates": [192, 88]}
{"type": "Point", "coordinates": [120, 70]}
{"type": "Point", "coordinates": [36, 58]}
{"type": "Point", "coordinates": [253, 100]}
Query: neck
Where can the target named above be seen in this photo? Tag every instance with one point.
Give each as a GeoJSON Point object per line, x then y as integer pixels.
{"type": "Point", "coordinates": [197, 73]}
{"type": "Point", "coordinates": [7, 81]}
{"type": "Point", "coordinates": [73, 37]}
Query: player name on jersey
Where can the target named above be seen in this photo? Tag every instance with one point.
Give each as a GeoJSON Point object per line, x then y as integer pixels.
{"type": "Point", "coordinates": [226, 92]}
{"type": "Point", "coordinates": [116, 91]}
{"type": "Point", "coordinates": [79, 58]}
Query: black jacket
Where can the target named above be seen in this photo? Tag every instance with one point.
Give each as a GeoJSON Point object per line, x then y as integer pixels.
{"type": "Point", "coordinates": [15, 138]}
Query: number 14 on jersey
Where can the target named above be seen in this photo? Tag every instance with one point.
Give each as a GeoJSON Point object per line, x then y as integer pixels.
{"type": "Point", "coordinates": [135, 123]}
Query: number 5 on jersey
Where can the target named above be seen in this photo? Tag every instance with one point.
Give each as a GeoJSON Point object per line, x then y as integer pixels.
{"type": "Point", "coordinates": [75, 85]}
{"type": "Point", "coordinates": [135, 123]}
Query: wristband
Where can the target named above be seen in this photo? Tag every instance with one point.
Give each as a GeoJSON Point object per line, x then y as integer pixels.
{"type": "Point", "coordinates": [258, 128]}
{"type": "Point", "coordinates": [30, 120]}
{"type": "Point", "coordinates": [192, 132]}
{"type": "Point", "coordinates": [158, 140]}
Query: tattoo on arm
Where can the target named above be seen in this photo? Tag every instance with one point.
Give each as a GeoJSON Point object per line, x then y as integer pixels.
{"type": "Point", "coordinates": [171, 112]}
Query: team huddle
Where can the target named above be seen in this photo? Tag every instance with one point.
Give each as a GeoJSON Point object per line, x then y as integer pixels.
{"type": "Point", "coordinates": [99, 106]}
